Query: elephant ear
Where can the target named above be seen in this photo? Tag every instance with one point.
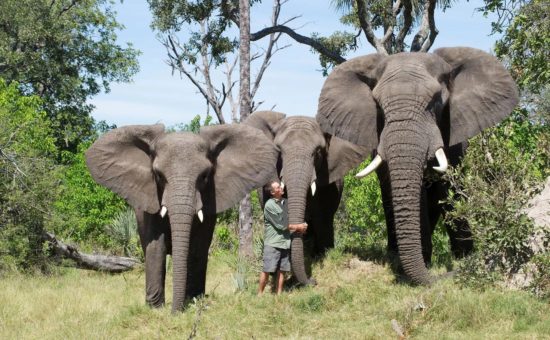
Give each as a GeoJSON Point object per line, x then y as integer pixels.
{"type": "Point", "coordinates": [244, 159]}
{"type": "Point", "coordinates": [265, 121]}
{"type": "Point", "coordinates": [482, 92]}
{"type": "Point", "coordinates": [343, 156]}
{"type": "Point", "coordinates": [121, 161]}
{"type": "Point", "coordinates": [347, 108]}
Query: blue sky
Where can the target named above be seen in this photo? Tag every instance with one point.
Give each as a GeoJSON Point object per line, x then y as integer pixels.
{"type": "Point", "coordinates": [291, 84]}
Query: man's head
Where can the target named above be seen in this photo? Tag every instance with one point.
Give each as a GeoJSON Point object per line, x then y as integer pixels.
{"type": "Point", "coordinates": [276, 189]}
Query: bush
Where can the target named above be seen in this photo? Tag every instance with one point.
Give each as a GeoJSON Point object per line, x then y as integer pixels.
{"type": "Point", "coordinates": [28, 180]}
{"type": "Point", "coordinates": [503, 168]}
{"type": "Point", "coordinates": [124, 235]}
{"type": "Point", "coordinates": [360, 223]}
{"type": "Point", "coordinates": [84, 208]}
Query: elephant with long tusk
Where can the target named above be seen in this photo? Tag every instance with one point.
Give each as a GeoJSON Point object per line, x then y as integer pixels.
{"type": "Point", "coordinates": [412, 109]}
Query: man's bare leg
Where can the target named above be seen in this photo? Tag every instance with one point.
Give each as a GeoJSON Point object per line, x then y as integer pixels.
{"type": "Point", "coordinates": [263, 281]}
{"type": "Point", "coordinates": [280, 281]}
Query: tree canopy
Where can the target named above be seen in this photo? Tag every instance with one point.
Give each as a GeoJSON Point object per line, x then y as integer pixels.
{"type": "Point", "coordinates": [63, 51]}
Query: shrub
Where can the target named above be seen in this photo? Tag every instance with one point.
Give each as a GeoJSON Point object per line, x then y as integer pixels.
{"type": "Point", "coordinates": [503, 168]}
{"type": "Point", "coordinates": [360, 222]}
{"type": "Point", "coordinates": [84, 208]}
{"type": "Point", "coordinates": [28, 180]}
{"type": "Point", "coordinates": [124, 235]}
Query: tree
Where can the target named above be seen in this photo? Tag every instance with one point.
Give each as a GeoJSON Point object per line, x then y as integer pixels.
{"type": "Point", "coordinates": [63, 51]}
{"type": "Point", "coordinates": [245, 208]}
{"type": "Point", "coordinates": [525, 46]}
{"type": "Point", "coordinates": [212, 44]}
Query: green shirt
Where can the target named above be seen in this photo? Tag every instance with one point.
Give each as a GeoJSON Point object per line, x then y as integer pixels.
{"type": "Point", "coordinates": [276, 224]}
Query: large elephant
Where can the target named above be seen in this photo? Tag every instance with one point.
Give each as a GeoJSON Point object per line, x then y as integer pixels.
{"type": "Point", "coordinates": [177, 182]}
{"type": "Point", "coordinates": [311, 165]}
{"type": "Point", "coordinates": [410, 108]}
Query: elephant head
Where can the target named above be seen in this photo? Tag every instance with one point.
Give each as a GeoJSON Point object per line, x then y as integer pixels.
{"type": "Point", "coordinates": [407, 108]}
{"type": "Point", "coordinates": [309, 161]}
{"type": "Point", "coordinates": [182, 175]}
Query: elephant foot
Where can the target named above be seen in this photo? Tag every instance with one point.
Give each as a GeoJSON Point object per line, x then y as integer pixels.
{"type": "Point", "coordinates": [155, 304]}
{"type": "Point", "coordinates": [311, 282]}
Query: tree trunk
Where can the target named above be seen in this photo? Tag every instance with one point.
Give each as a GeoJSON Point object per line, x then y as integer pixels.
{"type": "Point", "coordinates": [112, 264]}
{"type": "Point", "coordinates": [245, 209]}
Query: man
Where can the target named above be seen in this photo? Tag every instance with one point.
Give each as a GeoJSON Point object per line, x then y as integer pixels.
{"type": "Point", "coordinates": [277, 237]}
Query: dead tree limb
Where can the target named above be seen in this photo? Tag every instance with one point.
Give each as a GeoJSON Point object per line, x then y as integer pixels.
{"type": "Point", "coordinates": [106, 263]}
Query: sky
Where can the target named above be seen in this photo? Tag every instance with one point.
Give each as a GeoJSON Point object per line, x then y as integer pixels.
{"type": "Point", "coordinates": [292, 82]}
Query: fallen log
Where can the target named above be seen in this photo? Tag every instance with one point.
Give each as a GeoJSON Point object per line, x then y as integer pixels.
{"type": "Point", "coordinates": [111, 264]}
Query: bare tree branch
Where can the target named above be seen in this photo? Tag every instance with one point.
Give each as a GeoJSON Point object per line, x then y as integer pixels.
{"type": "Point", "coordinates": [367, 28]}
{"type": "Point", "coordinates": [316, 45]}
{"type": "Point", "coordinates": [407, 23]}
{"type": "Point", "coordinates": [427, 30]}
{"type": "Point", "coordinates": [269, 52]}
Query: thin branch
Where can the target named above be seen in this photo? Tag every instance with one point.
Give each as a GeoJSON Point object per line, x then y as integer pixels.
{"type": "Point", "coordinates": [273, 38]}
{"type": "Point", "coordinates": [214, 102]}
{"type": "Point", "coordinates": [315, 44]}
{"type": "Point", "coordinates": [8, 158]}
{"type": "Point", "coordinates": [229, 80]}
{"type": "Point", "coordinates": [177, 63]}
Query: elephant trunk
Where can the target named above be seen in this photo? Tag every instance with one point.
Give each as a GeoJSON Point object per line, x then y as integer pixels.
{"type": "Point", "coordinates": [406, 149]}
{"type": "Point", "coordinates": [181, 210]}
{"type": "Point", "coordinates": [298, 177]}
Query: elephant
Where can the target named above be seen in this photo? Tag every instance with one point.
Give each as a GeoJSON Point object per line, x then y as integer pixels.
{"type": "Point", "coordinates": [410, 109]}
{"type": "Point", "coordinates": [176, 183]}
{"type": "Point", "coordinates": [311, 165]}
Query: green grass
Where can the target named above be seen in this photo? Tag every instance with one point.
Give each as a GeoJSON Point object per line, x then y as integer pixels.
{"type": "Point", "coordinates": [354, 299]}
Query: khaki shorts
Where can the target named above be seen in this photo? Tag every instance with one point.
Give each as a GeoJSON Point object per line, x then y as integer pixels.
{"type": "Point", "coordinates": [276, 259]}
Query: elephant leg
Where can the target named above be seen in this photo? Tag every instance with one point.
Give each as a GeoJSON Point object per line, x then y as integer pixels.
{"type": "Point", "coordinates": [321, 213]}
{"type": "Point", "coordinates": [430, 212]}
{"type": "Point", "coordinates": [201, 238]}
{"type": "Point", "coordinates": [386, 193]}
{"type": "Point", "coordinates": [154, 233]}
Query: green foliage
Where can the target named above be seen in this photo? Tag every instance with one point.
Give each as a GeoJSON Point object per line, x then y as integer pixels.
{"type": "Point", "coordinates": [65, 52]}
{"type": "Point", "coordinates": [84, 208]}
{"type": "Point", "coordinates": [360, 221]}
{"type": "Point", "coordinates": [193, 126]}
{"type": "Point", "coordinates": [124, 235]}
{"type": "Point", "coordinates": [502, 169]}
{"type": "Point", "coordinates": [526, 46]}
{"type": "Point", "coordinates": [339, 42]}
{"type": "Point", "coordinates": [28, 180]}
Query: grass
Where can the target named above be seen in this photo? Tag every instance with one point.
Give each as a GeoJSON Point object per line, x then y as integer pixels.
{"type": "Point", "coordinates": [354, 299]}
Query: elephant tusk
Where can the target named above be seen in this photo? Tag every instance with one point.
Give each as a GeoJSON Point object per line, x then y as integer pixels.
{"type": "Point", "coordinates": [313, 188]}
{"type": "Point", "coordinates": [200, 215]}
{"type": "Point", "coordinates": [282, 185]}
{"type": "Point", "coordinates": [442, 160]}
{"type": "Point", "coordinates": [371, 167]}
{"type": "Point", "coordinates": [163, 211]}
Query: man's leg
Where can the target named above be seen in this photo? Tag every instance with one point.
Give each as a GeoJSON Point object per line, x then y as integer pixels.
{"type": "Point", "coordinates": [280, 281]}
{"type": "Point", "coordinates": [263, 281]}
{"type": "Point", "coordinates": [271, 258]}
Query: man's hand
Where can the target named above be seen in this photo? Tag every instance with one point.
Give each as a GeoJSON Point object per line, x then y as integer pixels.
{"type": "Point", "coordinates": [300, 228]}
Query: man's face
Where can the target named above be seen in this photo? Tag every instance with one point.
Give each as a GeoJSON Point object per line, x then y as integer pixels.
{"type": "Point", "coordinates": [277, 191]}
